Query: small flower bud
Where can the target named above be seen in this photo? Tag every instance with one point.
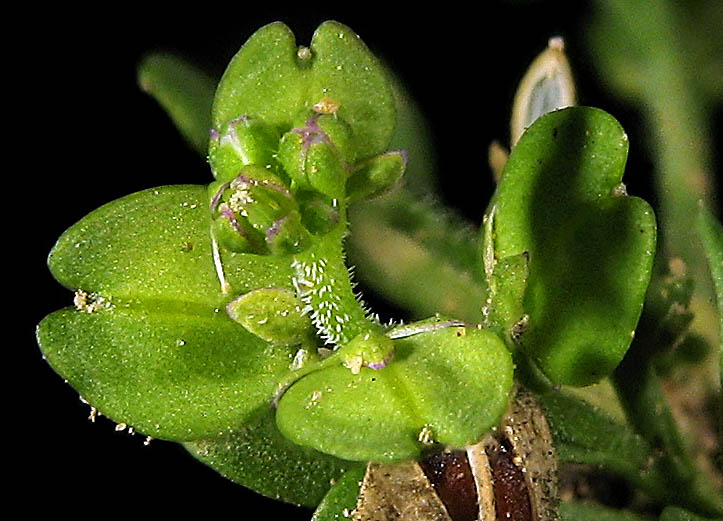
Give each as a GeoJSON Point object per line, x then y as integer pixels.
{"type": "Point", "coordinates": [314, 159]}
{"type": "Point", "coordinates": [318, 214]}
{"type": "Point", "coordinates": [242, 141]}
{"type": "Point", "coordinates": [338, 132]}
{"type": "Point", "coordinates": [376, 175]}
{"type": "Point", "coordinates": [255, 212]}
{"type": "Point", "coordinates": [287, 235]}
{"type": "Point", "coordinates": [372, 350]}
{"type": "Point", "coordinates": [230, 234]}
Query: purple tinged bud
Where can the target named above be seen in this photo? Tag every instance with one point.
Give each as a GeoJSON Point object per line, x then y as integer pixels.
{"type": "Point", "coordinates": [381, 365]}
{"type": "Point", "coordinates": [274, 229]}
{"type": "Point", "coordinates": [240, 180]}
{"type": "Point", "coordinates": [311, 134]}
{"type": "Point", "coordinates": [287, 235]}
{"type": "Point", "coordinates": [241, 142]}
{"type": "Point", "coordinates": [227, 214]}
{"type": "Point", "coordinates": [240, 119]}
{"type": "Point", "coordinates": [216, 199]}
{"type": "Point", "coordinates": [404, 154]}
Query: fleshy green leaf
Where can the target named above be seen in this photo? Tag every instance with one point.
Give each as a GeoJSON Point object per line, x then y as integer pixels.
{"type": "Point", "coordinates": [170, 370]}
{"type": "Point", "coordinates": [263, 80]}
{"type": "Point", "coordinates": [155, 244]}
{"type": "Point", "coordinates": [259, 457]}
{"type": "Point", "coordinates": [152, 244]}
{"type": "Point", "coordinates": [273, 79]}
{"type": "Point", "coordinates": [150, 343]}
{"type": "Point", "coordinates": [590, 245]}
{"type": "Point", "coordinates": [184, 92]}
{"type": "Point", "coordinates": [273, 314]}
{"type": "Point", "coordinates": [448, 386]}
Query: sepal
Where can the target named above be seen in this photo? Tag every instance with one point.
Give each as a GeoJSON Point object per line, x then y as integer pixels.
{"type": "Point", "coordinates": [377, 175]}
{"type": "Point", "coordinates": [243, 141]}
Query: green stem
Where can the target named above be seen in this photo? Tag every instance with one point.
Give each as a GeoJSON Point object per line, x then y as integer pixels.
{"type": "Point", "coordinates": [323, 282]}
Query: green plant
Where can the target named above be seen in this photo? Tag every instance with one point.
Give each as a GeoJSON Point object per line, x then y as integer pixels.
{"type": "Point", "coordinates": [237, 296]}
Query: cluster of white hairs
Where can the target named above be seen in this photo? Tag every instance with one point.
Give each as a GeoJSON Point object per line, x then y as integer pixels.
{"type": "Point", "coordinates": [319, 290]}
{"type": "Point", "coordinates": [316, 289]}
{"type": "Point", "coordinates": [90, 302]}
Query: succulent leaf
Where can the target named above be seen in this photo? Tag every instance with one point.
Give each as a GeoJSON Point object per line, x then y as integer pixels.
{"type": "Point", "coordinates": [447, 386]}
{"type": "Point", "coordinates": [590, 245]}
{"type": "Point", "coordinates": [149, 344]}
{"type": "Point", "coordinates": [275, 315]}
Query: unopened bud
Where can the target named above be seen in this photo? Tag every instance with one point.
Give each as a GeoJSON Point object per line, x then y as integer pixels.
{"type": "Point", "coordinates": [241, 142]}
{"type": "Point", "coordinates": [318, 214]}
{"type": "Point", "coordinates": [314, 159]}
{"type": "Point", "coordinates": [287, 235]}
{"type": "Point", "coordinates": [256, 212]}
{"type": "Point", "coordinates": [376, 175]}
{"type": "Point", "coordinates": [372, 350]}
{"type": "Point", "coordinates": [230, 233]}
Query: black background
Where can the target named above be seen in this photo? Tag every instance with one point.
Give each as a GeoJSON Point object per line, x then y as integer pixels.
{"type": "Point", "coordinates": [89, 136]}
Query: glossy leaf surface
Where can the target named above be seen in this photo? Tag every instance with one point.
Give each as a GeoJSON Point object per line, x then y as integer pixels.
{"type": "Point", "coordinates": [590, 245]}
{"type": "Point", "coordinates": [448, 386]}
{"type": "Point", "coordinates": [151, 345]}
